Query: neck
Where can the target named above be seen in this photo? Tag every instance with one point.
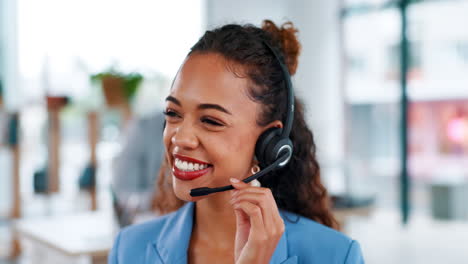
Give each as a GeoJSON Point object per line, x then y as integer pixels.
{"type": "Point", "coordinates": [215, 221]}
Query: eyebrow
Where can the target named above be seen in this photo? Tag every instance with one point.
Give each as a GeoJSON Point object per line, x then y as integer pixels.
{"type": "Point", "coordinates": [200, 106]}
{"type": "Point", "coordinates": [174, 100]}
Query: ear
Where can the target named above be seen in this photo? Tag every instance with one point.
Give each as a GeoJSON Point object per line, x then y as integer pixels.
{"type": "Point", "coordinates": [276, 123]}
{"type": "Point", "coordinates": [254, 162]}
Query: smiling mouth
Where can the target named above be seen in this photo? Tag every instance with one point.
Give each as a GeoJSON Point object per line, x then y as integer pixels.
{"type": "Point", "coordinates": [187, 169]}
{"type": "Point", "coordinates": [188, 166]}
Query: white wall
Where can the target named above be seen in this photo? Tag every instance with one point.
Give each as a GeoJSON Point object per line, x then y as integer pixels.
{"type": "Point", "coordinates": [317, 81]}
{"type": "Point", "coordinates": [7, 57]}
{"type": "Point", "coordinates": [9, 60]}
{"type": "Point", "coordinates": [221, 12]}
{"type": "Point", "coordinates": [2, 36]}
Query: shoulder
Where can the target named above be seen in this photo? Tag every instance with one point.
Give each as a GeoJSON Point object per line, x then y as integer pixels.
{"type": "Point", "coordinates": [132, 241]}
{"type": "Point", "coordinates": [314, 242]}
{"type": "Point", "coordinates": [144, 232]}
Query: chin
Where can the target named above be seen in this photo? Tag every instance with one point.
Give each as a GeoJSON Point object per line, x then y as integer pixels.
{"type": "Point", "coordinates": [185, 196]}
{"type": "Point", "coordinates": [182, 191]}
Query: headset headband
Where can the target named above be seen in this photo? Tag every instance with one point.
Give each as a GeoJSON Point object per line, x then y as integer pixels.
{"type": "Point", "coordinates": [290, 105]}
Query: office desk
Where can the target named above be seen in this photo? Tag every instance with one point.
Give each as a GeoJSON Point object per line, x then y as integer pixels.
{"type": "Point", "coordinates": [84, 238]}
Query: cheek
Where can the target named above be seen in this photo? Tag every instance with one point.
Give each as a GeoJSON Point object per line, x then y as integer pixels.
{"type": "Point", "coordinates": [233, 154]}
{"type": "Point", "coordinates": [167, 135]}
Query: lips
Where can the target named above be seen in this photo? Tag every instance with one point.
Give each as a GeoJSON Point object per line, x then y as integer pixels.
{"type": "Point", "coordinates": [189, 159]}
{"type": "Point", "coordinates": [189, 175]}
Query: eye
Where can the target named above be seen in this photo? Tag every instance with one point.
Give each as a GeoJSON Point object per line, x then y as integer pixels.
{"type": "Point", "coordinates": [170, 113]}
{"type": "Point", "coordinates": [212, 122]}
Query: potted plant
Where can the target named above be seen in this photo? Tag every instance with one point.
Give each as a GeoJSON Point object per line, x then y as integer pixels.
{"type": "Point", "coordinates": [55, 103]}
{"type": "Point", "coordinates": [118, 88]}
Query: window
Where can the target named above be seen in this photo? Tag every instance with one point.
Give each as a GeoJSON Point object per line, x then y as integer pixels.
{"type": "Point", "coordinates": [436, 82]}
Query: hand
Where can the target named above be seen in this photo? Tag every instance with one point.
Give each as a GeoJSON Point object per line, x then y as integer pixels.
{"type": "Point", "coordinates": [259, 224]}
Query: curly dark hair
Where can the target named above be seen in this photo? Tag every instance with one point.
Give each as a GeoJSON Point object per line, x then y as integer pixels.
{"type": "Point", "coordinates": [297, 187]}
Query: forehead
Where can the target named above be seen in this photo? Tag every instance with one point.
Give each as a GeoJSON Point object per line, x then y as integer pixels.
{"type": "Point", "coordinates": [209, 78]}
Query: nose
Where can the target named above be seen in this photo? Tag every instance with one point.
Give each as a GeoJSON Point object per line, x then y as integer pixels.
{"type": "Point", "coordinates": [185, 137]}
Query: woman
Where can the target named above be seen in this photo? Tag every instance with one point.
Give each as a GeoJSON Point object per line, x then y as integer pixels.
{"type": "Point", "coordinates": [228, 91]}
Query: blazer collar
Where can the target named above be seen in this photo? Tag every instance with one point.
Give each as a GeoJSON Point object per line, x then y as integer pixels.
{"type": "Point", "coordinates": [173, 241]}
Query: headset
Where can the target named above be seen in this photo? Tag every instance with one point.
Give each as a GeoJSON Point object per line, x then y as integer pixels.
{"type": "Point", "coordinates": [274, 148]}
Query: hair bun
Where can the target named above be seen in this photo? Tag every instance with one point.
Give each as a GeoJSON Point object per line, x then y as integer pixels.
{"type": "Point", "coordinates": [286, 36]}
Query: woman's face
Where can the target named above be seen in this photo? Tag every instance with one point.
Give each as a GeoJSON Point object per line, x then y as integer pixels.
{"type": "Point", "coordinates": [211, 127]}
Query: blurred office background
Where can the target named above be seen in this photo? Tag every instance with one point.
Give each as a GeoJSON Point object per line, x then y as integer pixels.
{"type": "Point", "coordinates": [385, 85]}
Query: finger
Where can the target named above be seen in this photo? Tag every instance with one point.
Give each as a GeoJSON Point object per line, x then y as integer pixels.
{"type": "Point", "coordinates": [243, 224]}
{"type": "Point", "coordinates": [241, 187]}
{"type": "Point", "coordinates": [267, 206]}
{"type": "Point", "coordinates": [241, 217]}
{"type": "Point", "coordinates": [263, 197]}
{"type": "Point", "coordinates": [264, 193]}
{"type": "Point", "coordinates": [271, 216]}
{"type": "Point", "coordinates": [261, 193]}
{"type": "Point", "coordinates": [242, 229]}
{"type": "Point", "coordinates": [257, 231]}
{"type": "Point", "coordinates": [238, 184]}
{"type": "Point", "coordinates": [253, 197]}
{"type": "Point", "coordinates": [246, 188]}
{"type": "Point", "coordinates": [251, 189]}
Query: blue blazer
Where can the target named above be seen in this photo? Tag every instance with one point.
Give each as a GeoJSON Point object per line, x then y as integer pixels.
{"type": "Point", "coordinates": [166, 240]}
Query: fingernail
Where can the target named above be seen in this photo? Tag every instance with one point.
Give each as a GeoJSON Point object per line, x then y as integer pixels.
{"type": "Point", "coordinates": [234, 180]}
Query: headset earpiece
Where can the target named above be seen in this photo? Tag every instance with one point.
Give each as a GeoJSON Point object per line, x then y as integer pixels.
{"type": "Point", "coordinates": [265, 140]}
{"type": "Point", "coordinates": [270, 145]}
{"type": "Point", "coordinates": [279, 147]}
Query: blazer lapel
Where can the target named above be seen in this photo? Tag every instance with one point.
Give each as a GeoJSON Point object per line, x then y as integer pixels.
{"type": "Point", "coordinates": [152, 255]}
{"type": "Point", "coordinates": [280, 256]}
{"type": "Point", "coordinates": [291, 260]}
{"type": "Point", "coordinates": [172, 243]}
{"type": "Point", "coordinates": [281, 252]}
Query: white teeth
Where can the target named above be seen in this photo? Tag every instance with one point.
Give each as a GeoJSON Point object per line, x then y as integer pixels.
{"type": "Point", "coordinates": [189, 166]}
